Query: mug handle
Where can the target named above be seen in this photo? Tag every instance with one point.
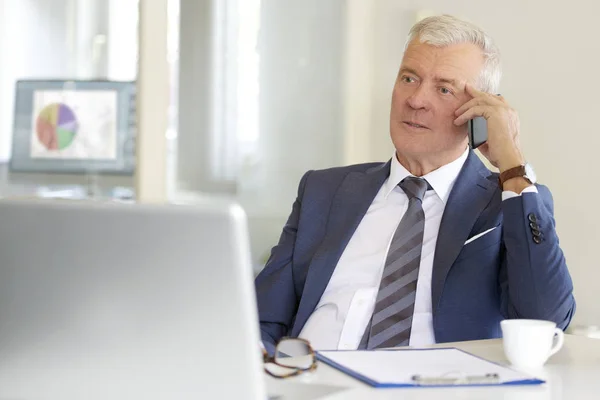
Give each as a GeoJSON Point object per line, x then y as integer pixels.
{"type": "Point", "coordinates": [560, 339]}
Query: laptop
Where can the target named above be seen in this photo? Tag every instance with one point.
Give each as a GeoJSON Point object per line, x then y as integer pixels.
{"type": "Point", "coordinates": [126, 301]}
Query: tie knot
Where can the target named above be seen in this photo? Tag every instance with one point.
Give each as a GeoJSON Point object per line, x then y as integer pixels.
{"type": "Point", "coordinates": [414, 187]}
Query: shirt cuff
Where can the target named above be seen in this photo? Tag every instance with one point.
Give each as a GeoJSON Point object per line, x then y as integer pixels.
{"type": "Point", "coordinates": [508, 194]}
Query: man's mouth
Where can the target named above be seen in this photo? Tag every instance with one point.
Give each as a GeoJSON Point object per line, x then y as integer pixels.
{"type": "Point", "coordinates": [415, 125]}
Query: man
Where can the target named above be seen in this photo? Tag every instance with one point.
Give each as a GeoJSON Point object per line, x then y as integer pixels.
{"type": "Point", "coordinates": [430, 246]}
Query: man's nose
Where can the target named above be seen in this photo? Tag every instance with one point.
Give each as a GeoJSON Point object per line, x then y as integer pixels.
{"type": "Point", "coordinates": [419, 99]}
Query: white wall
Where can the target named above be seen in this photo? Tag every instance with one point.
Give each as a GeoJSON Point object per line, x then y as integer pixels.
{"type": "Point", "coordinates": [300, 106]}
{"type": "Point", "coordinates": [5, 102]}
{"type": "Point", "coordinates": [551, 57]}
{"type": "Point", "coordinates": [122, 45]}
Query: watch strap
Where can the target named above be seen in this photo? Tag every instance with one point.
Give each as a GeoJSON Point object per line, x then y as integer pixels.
{"type": "Point", "coordinates": [514, 172]}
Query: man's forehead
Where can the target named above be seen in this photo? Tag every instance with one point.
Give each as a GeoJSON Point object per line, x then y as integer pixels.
{"type": "Point", "coordinates": [450, 63]}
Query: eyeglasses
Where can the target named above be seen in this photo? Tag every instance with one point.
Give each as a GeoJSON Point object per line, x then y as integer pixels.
{"type": "Point", "coordinates": [293, 356]}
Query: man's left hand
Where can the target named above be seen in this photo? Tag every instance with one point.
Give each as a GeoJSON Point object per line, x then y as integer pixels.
{"type": "Point", "coordinates": [502, 148]}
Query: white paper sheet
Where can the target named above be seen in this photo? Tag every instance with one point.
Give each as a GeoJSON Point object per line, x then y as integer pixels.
{"type": "Point", "coordinates": [397, 367]}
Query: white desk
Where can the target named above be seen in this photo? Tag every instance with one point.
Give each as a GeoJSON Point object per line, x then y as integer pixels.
{"type": "Point", "coordinates": [572, 373]}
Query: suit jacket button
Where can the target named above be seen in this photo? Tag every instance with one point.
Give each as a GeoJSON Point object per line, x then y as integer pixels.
{"type": "Point", "coordinates": [534, 226]}
{"type": "Point", "coordinates": [532, 217]}
{"type": "Point", "coordinates": [537, 239]}
{"type": "Point", "coordinates": [536, 232]}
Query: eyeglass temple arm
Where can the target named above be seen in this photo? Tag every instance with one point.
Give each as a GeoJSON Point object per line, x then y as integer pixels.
{"type": "Point", "coordinates": [268, 346]}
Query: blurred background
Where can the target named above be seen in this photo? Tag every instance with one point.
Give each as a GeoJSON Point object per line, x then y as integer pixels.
{"type": "Point", "coordinates": [238, 98]}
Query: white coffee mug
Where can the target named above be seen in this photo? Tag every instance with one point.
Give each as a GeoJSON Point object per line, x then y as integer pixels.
{"type": "Point", "coordinates": [528, 343]}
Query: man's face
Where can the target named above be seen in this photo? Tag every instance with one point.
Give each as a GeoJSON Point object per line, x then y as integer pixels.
{"type": "Point", "coordinates": [430, 87]}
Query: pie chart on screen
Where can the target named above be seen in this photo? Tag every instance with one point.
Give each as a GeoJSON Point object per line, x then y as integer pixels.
{"type": "Point", "coordinates": [56, 126]}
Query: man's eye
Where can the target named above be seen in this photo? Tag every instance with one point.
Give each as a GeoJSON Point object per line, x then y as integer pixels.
{"type": "Point", "coordinates": [445, 90]}
{"type": "Point", "coordinates": [407, 79]}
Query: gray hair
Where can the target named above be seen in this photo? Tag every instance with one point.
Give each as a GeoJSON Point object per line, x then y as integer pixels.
{"type": "Point", "coordinates": [446, 30]}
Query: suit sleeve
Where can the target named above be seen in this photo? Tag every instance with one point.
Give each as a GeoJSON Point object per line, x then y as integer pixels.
{"type": "Point", "coordinates": [277, 299]}
{"type": "Point", "coordinates": [534, 280]}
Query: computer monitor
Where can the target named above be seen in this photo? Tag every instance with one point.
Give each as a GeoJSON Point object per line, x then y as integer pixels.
{"type": "Point", "coordinates": [126, 301]}
{"type": "Point", "coordinates": [74, 126]}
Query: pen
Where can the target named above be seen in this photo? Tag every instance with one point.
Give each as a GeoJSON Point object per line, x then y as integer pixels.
{"type": "Point", "coordinates": [459, 380]}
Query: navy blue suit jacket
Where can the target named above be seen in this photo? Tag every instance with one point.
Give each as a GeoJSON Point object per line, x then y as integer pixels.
{"type": "Point", "coordinates": [503, 274]}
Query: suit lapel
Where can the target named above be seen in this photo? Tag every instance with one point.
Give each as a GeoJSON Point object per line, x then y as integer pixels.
{"type": "Point", "coordinates": [348, 207]}
{"type": "Point", "coordinates": [470, 195]}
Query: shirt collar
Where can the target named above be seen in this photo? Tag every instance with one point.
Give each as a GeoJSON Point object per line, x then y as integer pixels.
{"type": "Point", "coordinates": [441, 180]}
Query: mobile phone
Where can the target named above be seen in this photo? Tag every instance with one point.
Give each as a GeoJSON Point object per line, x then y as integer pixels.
{"type": "Point", "coordinates": [478, 133]}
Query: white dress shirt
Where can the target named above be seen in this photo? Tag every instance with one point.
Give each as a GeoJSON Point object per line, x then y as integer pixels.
{"type": "Point", "coordinates": [346, 306]}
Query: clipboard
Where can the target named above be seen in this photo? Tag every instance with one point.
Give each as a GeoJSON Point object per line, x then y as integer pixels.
{"type": "Point", "coordinates": [439, 367]}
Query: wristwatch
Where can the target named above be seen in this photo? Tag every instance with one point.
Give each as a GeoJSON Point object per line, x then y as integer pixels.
{"type": "Point", "coordinates": [525, 170]}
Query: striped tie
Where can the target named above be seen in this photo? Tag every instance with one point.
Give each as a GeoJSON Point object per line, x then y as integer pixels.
{"type": "Point", "coordinates": [392, 318]}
